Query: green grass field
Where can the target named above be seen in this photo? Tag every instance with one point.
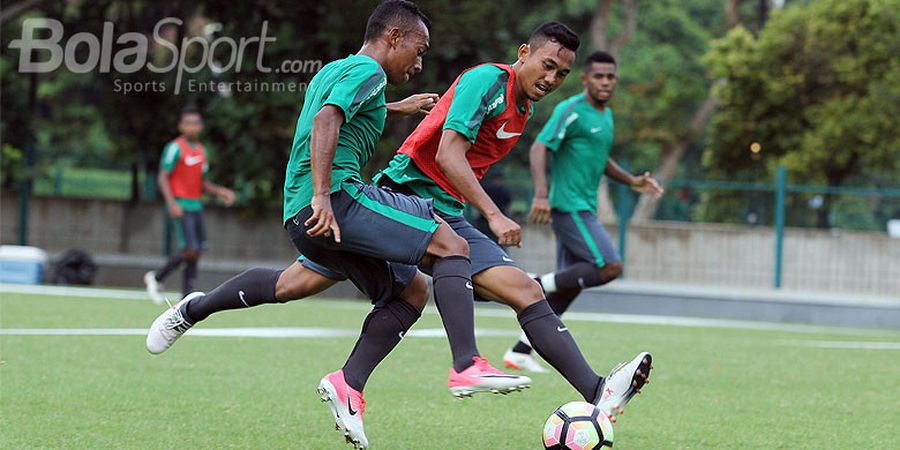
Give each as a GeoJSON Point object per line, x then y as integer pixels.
{"type": "Point", "coordinates": [712, 388]}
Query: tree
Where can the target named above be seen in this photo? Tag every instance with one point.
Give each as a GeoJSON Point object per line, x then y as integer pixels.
{"type": "Point", "coordinates": [818, 89]}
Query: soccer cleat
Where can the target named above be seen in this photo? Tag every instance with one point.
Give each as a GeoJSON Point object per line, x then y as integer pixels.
{"type": "Point", "coordinates": [623, 382]}
{"type": "Point", "coordinates": [523, 361]}
{"type": "Point", "coordinates": [153, 288]}
{"type": "Point", "coordinates": [347, 406]}
{"type": "Point", "coordinates": [169, 326]}
{"type": "Point", "coordinates": [482, 377]}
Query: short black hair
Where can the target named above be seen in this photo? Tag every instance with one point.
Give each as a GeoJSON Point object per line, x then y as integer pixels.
{"type": "Point", "coordinates": [399, 13]}
{"type": "Point", "coordinates": [599, 57]}
{"type": "Point", "coordinates": [554, 32]}
{"type": "Point", "coordinates": [190, 110]}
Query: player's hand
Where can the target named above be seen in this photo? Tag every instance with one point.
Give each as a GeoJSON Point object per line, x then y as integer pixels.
{"type": "Point", "coordinates": [540, 211]}
{"type": "Point", "coordinates": [646, 184]}
{"type": "Point", "coordinates": [508, 232]}
{"type": "Point", "coordinates": [416, 103]}
{"type": "Point", "coordinates": [227, 197]}
{"type": "Point", "coordinates": [175, 210]}
{"type": "Point", "coordinates": [322, 220]}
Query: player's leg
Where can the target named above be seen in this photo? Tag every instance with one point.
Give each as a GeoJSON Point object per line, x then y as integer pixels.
{"type": "Point", "coordinates": [520, 355]}
{"type": "Point", "coordinates": [194, 242]}
{"type": "Point", "coordinates": [251, 288]}
{"type": "Point", "coordinates": [154, 278]}
{"type": "Point", "coordinates": [547, 333]}
{"type": "Point", "coordinates": [595, 260]}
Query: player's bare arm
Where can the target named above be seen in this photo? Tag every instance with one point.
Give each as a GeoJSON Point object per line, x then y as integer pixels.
{"type": "Point", "coordinates": [162, 179]}
{"type": "Point", "coordinates": [451, 158]}
{"type": "Point", "coordinates": [222, 192]}
{"type": "Point", "coordinates": [643, 183]}
{"type": "Point", "coordinates": [540, 205]}
{"type": "Point", "coordinates": [323, 143]}
{"type": "Point", "coordinates": [414, 104]}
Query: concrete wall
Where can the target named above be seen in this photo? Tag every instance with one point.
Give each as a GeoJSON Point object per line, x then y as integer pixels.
{"type": "Point", "coordinates": [689, 253]}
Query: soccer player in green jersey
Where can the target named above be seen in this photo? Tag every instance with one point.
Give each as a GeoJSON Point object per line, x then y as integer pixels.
{"type": "Point", "coordinates": [373, 236]}
{"type": "Point", "coordinates": [579, 135]}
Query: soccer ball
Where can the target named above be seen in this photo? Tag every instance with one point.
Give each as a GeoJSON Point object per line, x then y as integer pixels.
{"type": "Point", "coordinates": [578, 426]}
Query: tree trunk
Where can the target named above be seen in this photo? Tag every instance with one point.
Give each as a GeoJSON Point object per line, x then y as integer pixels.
{"type": "Point", "coordinates": [605, 208]}
{"type": "Point", "coordinates": [671, 156]}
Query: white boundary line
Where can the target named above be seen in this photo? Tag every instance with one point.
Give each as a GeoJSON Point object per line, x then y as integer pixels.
{"type": "Point", "coordinates": [490, 311]}
{"type": "Point", "coordinates": [298, 332]}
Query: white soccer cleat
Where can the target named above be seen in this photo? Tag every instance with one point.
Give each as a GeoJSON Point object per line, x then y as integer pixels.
{"type": "Point", "coordinates": [169, 326]}
{"type": "Point", "coordinates": [623, 382]}
{"type": "Point", "coordinates": [347, 406]}
{"type": "Point", "coordinates": [523, 361]}
{"type": "Point", "coordinates": [153, 288]}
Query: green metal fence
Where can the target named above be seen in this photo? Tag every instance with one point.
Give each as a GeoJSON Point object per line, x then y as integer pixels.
{"type": "Point", "coordinates": [772, 205]}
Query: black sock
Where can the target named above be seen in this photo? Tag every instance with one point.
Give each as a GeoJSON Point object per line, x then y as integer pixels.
{"type": "Point", "coordinates": [170, 265]}
{"type": "Point", "coordinates": [190, 277]}
{"type": "Point", "coordinates": [555, 344]}
{"type": "Point", "coordinates": [454, 297]}
{"type": "Point", "coordinates": [250, 288]}
{"type": "Point", "coordinates": [578, 276]}
{"type": "Point", "coordinates": [381, 332]}
{"type": "Point", "coordinates": [559, 302]}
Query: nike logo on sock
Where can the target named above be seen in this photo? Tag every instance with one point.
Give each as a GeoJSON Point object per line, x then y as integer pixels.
{"type": "Point", "coordinates": [241, 295]}
{"type": "Point", "coordinates": [401, 334]}
{"type": "Point", "coordinates": [350, 406]}
{"type": "Point", "coordinates": [561, 329]}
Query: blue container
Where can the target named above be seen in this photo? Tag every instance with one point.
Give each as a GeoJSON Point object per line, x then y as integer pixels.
{"type": "Point", "coordinates": [22, 265]}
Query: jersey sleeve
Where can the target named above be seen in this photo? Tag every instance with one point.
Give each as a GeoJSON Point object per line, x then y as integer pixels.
{"type": "Point", "coordinates": [170, 155]}
{"type": "Point", "coordinates": [478, 97]}
{"type": "Point", "coordinates": [358, 84]}
{"type": "Point", "coordinates": [554, 132]}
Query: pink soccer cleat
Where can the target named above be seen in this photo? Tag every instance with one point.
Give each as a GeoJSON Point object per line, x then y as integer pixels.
{"type": "Point", "coordinates": [347, 406]}
{"type": "Point", "coordinates": [482, 377]}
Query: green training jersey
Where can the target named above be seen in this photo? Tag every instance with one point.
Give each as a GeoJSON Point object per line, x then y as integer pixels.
{"type": "Point", "coordinates": [479, 96]}
{"type": "Point", "coordinates": [580, 138]}
{"type": "Point", "coordinates": [356, 85]}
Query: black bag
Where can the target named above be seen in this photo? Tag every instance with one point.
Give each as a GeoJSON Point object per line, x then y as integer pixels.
{"type": "Point", "coordinates": [75, 266]}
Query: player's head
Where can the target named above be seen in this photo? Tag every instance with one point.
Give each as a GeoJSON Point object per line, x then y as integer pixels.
{"type": "Point", "coordinates": [599, 77]}
{"type": "Point", "coordinates": [546, 59]}
{"type": "Point", "coordinates": [402, 28]}
{"type": "Point", "coordinates": [190, 123]}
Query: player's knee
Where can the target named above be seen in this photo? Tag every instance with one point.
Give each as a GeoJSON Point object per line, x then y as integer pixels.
{"type": "Point", "coordinates": [416, 293]}
{"type": "Point", "coordinates": [450, 244]}
{"type": "Point", "coordinates": [611, 271]}
{"type": "Point", "coordinates": [528, 293]}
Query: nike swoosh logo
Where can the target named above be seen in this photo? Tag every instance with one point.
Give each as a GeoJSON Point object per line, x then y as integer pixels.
{"type": "Point", "coordinates": [507, 259]}
{"type": "Point", "coordinates": [596, 129]}
{"type": "Point", "coordinates": [561, 329]}
{"type": "Point", "coordinates": [503, 134]}
{"type": "Point", "coordinates": [193, 160]}
{"type": "Point", "coordinates": [469, 285]}
{"type": "Point", "coordinates": [401, 334]}
{"type": "Point", "coordinates": [350, 406]}
{"type": "Point", "coordinates": [241, 295]}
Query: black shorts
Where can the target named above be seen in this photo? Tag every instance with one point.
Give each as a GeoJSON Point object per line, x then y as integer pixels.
{"type": "Point", "coordinates": [384, 234]}
{"type": "Point", "coordinates": [580, 237]}
{"type": "Point", "coordinates": [190, 231]}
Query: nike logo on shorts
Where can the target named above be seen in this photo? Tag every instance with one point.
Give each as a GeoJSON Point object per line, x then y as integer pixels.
{"type": "Point", "coordinates": [561, 329]}
{"type": "Point", "coordinates": [507, 259]}
{"type": "Point", "coordinates": [469, 285]}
